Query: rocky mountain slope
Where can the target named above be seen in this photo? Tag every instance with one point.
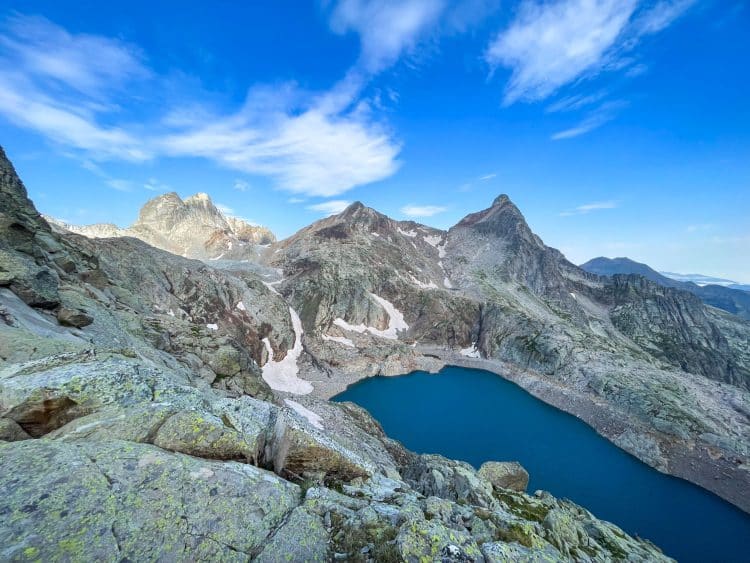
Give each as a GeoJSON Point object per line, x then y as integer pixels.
{"type": "Point", "coordinates": [137, 421]}
{"type": "Point", "coordinates": [732, 300]}
{"type": "Point", "coordinates": [193, 228]}
{"type": "Point", "coordinates": [654, 370]}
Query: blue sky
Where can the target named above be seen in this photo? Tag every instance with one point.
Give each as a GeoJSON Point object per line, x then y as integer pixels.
{"type": "Point", "coordinates": [619, 127]}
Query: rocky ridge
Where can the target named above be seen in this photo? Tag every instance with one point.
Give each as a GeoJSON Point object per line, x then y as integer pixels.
{"type": "Point", "coordinates": [193, 228]}
{"type": "Point", "coordinates": [732, 300]}
{"type": "Point", "coordinates": [143, 426]}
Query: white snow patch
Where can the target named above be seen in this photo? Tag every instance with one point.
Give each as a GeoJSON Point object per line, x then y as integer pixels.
{"type": "Point", "coordinates": [229, 245]}
{"type": "Point", "coordinates": [170, 313]}
{"type": "Point", "coordinates": [406, 233]}
{"type": "Point", "coordinates": [447, 283]}
{"type": "Point", "coordinates": [471, 351]}
{"type": "Point", "coordinates": [282, 375]}
{"type": "Point", "coordinates": [241, 306]}
{"type": "Point", "coordinates": [212, 326]}
{"type": "Point", "coordinates": [360, 328]}
{"type": "Point", "coordinates": [271, 287]}
{"type": "Point", "coordinates": [219, 257]}
{"type": "Point", "coordinates": [433, 240]}
{"type": "Point", "coordinates": [340, 339]}
{"type": "Point", "coordinates": [313, 418]}
{"type": "Point", "coordinates": [423, 285]}
{"type": "Point", "coordinates": [396, 321]}
{"type": "Point", "coordinates": [441, 249]}
{"type": "Point", "coordinates": [375, 234]}
{"type": "Point", "coordinates": [573, 295]}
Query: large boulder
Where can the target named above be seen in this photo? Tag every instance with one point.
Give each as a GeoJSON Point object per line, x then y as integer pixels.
{"type": "Point", "coordinates": [434, 475]}
{"type": "Point", "coordinates": [505, 475]}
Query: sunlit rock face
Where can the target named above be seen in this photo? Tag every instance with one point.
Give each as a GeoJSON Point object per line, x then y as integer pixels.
{"type": "Point", "coordinates": [194, 228]}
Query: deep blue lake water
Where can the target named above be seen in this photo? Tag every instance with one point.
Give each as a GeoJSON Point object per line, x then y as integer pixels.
{"type": "Point", "coordinates": [478, 416]}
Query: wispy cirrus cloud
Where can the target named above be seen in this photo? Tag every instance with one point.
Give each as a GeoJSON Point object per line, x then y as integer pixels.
{"type": "Point", "coordinates": [386, 28]}
{"type": "Point", "coordinates": [589, 207]}
{"type": "Point", "coordinates": [487, 177]}
{"type": "Point", "coordinates": [422, 210]}
{"type": "Point", "coordinates": [595, 119]}
{"type": "Point", "coordinates": [549, 45]}
{"type": "Point", "coordinates": [70, 87]}
{"type": "Point", "coordinates": [331, 207]}
{"type": "Point", "coordinates": [390, 29]}
{"type": "Point", "coordinates": [59, 85]}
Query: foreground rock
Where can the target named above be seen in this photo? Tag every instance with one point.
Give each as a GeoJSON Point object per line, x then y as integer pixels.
{"type": "Point", "coordinates": [505, 475]}
{"type": "Point", "coordinates": [107, 501]}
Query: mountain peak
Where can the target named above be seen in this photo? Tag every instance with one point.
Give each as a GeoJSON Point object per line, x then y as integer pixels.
{"type": "Point", "coordinates": [200, 198]}
{"type": "Point", "coordinates": [501, 200]}
{"type": "Point", "coordinates": [501, 217]}
{"type": "Point", "coordinates": [358, 212]}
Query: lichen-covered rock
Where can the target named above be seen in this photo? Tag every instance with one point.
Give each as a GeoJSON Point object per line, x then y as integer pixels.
{"type": "Point", "coordinates": [203, 435]}
{"type": "Point", "coordinates": [501, 552]}
{"type": "Point", "coordinates": [10, 431]}
{"type": "Point", "coordinates": [302, 538]}
{"type": "Point", "coordinates": [301, 451]}
{"type": "Point", "coordinates": [118, 500]}
{"type": "Point", "coordinates": [505, 475]}
{"type": "Point", "coordinates": [423, 540]}
{"type": "Point", "coordinates": [47, 394]}
{"type": "Point", "coordinates": [434, 475]}
{"type": "Point", "coordinates": [133, 424]}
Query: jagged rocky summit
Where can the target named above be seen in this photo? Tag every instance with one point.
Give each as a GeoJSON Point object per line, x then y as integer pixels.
{"type": "Point", "coordinates": [157, 407]}
{"type": "Point", "coordinates": [193, 228]}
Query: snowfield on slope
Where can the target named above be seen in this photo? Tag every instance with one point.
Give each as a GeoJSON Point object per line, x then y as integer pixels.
{"type": "Point", "coordinates": [282, 375]}
{"type": "Point", "coordinates": [396, 321]}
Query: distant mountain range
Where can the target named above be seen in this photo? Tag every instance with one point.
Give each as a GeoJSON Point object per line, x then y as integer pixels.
{"type": "Point", "coordinates": [700, 279]}
{"type": "Point", "coordinates": [731, 299]}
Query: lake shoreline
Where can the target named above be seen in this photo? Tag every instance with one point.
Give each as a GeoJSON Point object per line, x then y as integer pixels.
{"type": "Point", "coordinates": [469, 414]}
{"type": "Point", "coordinates": [694, 462]}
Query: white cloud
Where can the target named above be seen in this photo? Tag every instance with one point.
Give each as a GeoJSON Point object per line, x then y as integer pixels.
{"type": "Point", "coordinates": [66, 86]}
{"type": "Point", "coordinates": [575, 102]}
{"type": "Point", "coordinates": [296, 200]}
{"type": "Point", "coordinates": [330, 207]}
{"type": "Point", "coordinates": [487, 177]}
{"type": "Point", "coordinates": [306, 149]}
{"type": "Point", "coordinates": [589, 207]}
{"type": "Point", "coordinates": [699, 227]}
{"type": "Point", "coordinates": [549, 45]}
{"type": "Point", "coordinates": [119, 184]}
{"type": "Point", "coordinates": [661, 16]}
{"type": "Point", "coordinates": [422, 210]}
{"type": "Point", "coordinates": [241, 185]}
{"type": "Point", "coordinates": [595, 119]}
{"type": "Point", "coordinates": [90, 64]}
{"type": "Point", "coordinates": [386, 28]}
{"type": "Point", "coordinates": [154, 185]}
